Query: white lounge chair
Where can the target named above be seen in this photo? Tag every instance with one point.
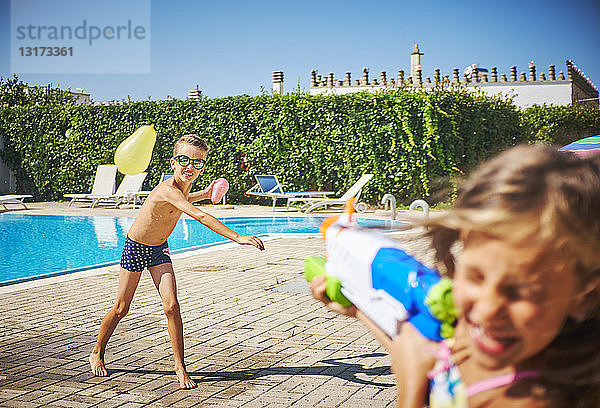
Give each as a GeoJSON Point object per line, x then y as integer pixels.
{"type": "Point", "coordinates": [130, 185]}
{"type": "Point", "coordinates": [354, 191]}
{"type": "Point", "coordinates": [13, 199]}
{"type": "Point", "coordinates": [268, 186]}
{"type": "Point", "coordinates": [104, 185]}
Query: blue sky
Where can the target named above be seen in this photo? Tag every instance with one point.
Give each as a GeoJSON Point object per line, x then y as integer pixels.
{"type": "Point", "coordinates": [232, 47]}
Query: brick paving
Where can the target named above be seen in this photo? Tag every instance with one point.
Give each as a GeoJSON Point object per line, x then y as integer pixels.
{"type": "Point", "coordinates": [254, 337]}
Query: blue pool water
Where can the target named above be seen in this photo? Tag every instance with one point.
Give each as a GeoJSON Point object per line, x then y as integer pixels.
{"type": "Point", "coordinates": [35, 246]}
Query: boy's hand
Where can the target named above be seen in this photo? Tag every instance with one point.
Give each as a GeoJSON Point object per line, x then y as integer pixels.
{"type": "Point", "coordinates": [207, 192]}
{"type": "Point", "coordinates": [318, 286]}
{"type": "Point", "coordinates": [202, 194]}
{"type": "Point", "coordinates": [254, 241]}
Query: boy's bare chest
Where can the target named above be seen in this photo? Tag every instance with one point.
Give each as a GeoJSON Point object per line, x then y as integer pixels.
{"type": "Point", "coordinates": [155, 222]}
{"type": "Point", "coordinates": [165, 215]}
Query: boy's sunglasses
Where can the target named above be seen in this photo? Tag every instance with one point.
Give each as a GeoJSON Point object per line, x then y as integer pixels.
{"type": "Point", "coordinates": [184, 161]}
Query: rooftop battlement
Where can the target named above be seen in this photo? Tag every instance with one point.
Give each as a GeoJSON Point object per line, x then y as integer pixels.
{"type": "Point", "coordinates": [475, 76]}
{"type": "Point", "coordinates": [527, 87]}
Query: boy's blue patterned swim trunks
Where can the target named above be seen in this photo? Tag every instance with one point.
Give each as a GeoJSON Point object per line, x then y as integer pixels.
{"type": "Point", "coordinates": [138, 256]}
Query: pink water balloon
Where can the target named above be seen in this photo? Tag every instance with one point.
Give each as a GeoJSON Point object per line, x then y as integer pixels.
{"type": "Point", "coordinates": [219, 190]}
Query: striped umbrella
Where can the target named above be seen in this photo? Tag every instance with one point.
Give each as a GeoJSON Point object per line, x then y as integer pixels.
{"type": "Point", "coordinates": [584, 147]}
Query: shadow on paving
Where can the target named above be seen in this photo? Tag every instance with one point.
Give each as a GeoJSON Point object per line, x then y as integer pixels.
{"type": "Point", "coordinates": [335, 368]}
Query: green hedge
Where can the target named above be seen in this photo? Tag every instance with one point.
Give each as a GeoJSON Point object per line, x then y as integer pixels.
{"type": "Point", "coordinates": [559, 125]}
{"type": "Point", "coordinates": [414, 142]}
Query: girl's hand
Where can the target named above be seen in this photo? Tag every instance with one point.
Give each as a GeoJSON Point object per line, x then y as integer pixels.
{"type": "Point", "coordinates": [412, 358]}
{"type": "Point", "coordinates": [318, 287]}
{"type": "Point", "coordinates": [459, 345]}
{"type": "Point", "coordinates": [254, 241]}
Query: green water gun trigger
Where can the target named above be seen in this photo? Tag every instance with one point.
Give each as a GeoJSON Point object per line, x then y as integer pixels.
{"type": "Point", "coordinates": [315, 266]}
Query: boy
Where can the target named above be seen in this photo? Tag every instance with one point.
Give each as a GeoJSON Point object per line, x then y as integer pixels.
{"type": "Point", "coordinates": [146, 246]}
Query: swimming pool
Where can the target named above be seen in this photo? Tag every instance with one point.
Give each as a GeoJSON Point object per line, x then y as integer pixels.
{"type": "Point", "coordinates": [36, 246]}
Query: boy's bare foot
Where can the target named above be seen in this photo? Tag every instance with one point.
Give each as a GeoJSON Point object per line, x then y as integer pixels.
{"type": "Point", "coordinates": [185, 382]}
{"type": "Point", "coordinates": [97, 365]}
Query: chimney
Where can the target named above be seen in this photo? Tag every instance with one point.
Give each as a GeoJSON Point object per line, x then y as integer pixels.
{"type": "Point", "coordinates": [195, 94]}
{"type": "Point", "coordinates": [278, 82]}
{"type": "Point", "coordinates": [415, 61]}
{"type": "Point", "coordinates": [313, 79]}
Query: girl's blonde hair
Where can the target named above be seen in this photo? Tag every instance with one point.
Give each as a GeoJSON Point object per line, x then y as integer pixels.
{"type": "Point", "coordinates": [534, 193]}
{"type": "Point", "coordinates": [550, 198]}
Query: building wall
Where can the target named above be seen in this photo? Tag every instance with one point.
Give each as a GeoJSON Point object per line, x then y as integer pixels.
{"type": "Point", "coordinates": [342, 90]}
{"type": "Point", "coordinates": [526, 95]}
{"type": "Point", "coordinates": [80, 98]}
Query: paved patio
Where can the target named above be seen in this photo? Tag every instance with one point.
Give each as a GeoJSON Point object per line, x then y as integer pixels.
{"type": "Point", "coordinates": [254, 336]}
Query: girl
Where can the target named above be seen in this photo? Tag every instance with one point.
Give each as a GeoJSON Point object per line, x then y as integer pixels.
{"type": "Point", "coordinates": [526, 285]}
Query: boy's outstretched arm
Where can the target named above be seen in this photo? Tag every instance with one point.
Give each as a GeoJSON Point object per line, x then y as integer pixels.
{"type": "Point", "coordinates": [177, 199]}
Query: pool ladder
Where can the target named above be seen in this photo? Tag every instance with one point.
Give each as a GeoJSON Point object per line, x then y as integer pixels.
{"type": "Point", "coordinates": [390, 200]}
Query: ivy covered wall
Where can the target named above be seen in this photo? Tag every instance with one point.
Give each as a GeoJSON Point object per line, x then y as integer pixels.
{"type": "Point", "coordinates": [415, 143]}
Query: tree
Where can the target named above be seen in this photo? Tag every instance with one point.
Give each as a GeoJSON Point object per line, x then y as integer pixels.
{"type": "Point", "coordinates": [14, 92]}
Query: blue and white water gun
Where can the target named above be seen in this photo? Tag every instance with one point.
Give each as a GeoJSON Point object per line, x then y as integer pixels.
{"type": "Point", "coordinates": [366, 268]}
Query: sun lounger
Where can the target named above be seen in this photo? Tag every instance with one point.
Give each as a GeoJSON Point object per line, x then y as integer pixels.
{"type": "Point", "coordinates": [104, 185]}
{"type": "Point", "coordinates": [311, 204]}
{"type": "Point", "coordinates": [139, 197]}
{"type": "Point", "coordinates": [269, 187]}
{"type": "Point", "coordinates": [130, 185]}
{"type": "Point", "coordinates": [13, 199]}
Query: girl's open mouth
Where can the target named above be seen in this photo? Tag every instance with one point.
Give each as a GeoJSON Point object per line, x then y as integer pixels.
{"type": "Point", "coordinates": [488, 343]}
